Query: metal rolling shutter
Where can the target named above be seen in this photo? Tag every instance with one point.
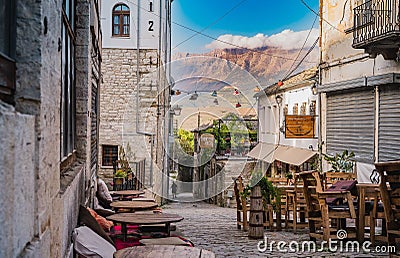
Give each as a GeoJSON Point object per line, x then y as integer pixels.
{"type": "Point", "coordinates": [350, 124]}
{"type": "Point", "coordinates": [389, 123]}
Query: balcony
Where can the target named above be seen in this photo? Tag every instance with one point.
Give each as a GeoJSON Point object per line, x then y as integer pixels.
{"type": "Point", "coordinates": [377, 28]}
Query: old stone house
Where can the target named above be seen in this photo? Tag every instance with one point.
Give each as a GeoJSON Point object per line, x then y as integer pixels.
{"type": "Point", "coordinates": [288, 125]}
{"type": "Point", "coordinates": [50, 56]}
{"type": "Point", "coordinates": [135, 89]}
{"type": "Point", "coordinates": [360, 80]}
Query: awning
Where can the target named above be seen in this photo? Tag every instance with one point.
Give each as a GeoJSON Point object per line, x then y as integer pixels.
{"type": "Point", "coordinates": [290, 155]}
{"type": "Point", "coordinates": [293, 155]}
{"type": "Point", "coordinates": [263, 151]}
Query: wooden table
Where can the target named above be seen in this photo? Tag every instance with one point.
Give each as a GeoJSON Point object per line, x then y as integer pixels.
{"type": "Point", "coordinates": [282, 189]}
{"type": "Point", "coordinates": [364, 190]}
{"type": "Point", "coordinates": [144, 219]}
{"type": "Point", "coordinates": [163, 251]}
{"type": "Point", "coordinates": [133, 206]}
{"type": "Point", "coordinates": [124, 193]}
{"type": "Point", "coordinates": [143, 199]}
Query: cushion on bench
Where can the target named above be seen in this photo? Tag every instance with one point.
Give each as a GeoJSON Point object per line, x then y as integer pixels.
{"type": "Point", "coordinates": [86, 219]}
{"type": "Point", "coordinates": [88, 243]}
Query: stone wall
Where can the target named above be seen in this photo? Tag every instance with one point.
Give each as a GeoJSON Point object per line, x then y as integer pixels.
{"type": "Point", "coordinates": [118, 105]}
{"type": "Point", "coordinates": [17, 180]}
{"type": "Point", "coordinates": [41, 204]}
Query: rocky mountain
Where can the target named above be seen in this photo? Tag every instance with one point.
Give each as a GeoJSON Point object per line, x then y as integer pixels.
{"type": "Point", "coordinates": [267, 65]}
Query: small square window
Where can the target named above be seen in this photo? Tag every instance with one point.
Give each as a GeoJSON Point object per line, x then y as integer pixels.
{"type": "Point", "coordinates": [110, 153]}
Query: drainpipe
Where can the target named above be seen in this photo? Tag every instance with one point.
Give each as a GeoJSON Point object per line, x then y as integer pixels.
{"type": "Point", "coordinates": [152, 135]}
{"type": "Point", "coordinates": [319, 83]}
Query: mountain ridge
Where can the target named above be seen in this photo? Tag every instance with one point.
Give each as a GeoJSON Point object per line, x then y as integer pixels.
{"type": "Point", "coordinates": [266, 64]}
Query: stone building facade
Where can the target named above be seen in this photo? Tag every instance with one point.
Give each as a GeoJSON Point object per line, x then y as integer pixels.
{"type": "Point", "coordinates": [49, 78]}
{"type": "Point", "coordinates": [134, 98]}
{"type": "Point", "coordinates": [360, 81]}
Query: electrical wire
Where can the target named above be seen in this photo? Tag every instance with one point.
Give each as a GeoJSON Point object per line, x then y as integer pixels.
{"type": "Point", "coordinates": [211, 24]}
{"type": "Point", "coordinates": [316, 13]}
{"type": "Point", "coordinates": [290, 71]}
{"type": "Point", "coordinates": [216, 39]}
{"type": "Point", "coordinates": [308, 52]}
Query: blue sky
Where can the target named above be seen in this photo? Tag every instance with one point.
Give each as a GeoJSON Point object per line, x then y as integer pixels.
{"type": "Point", "coordinates": [252, 17]}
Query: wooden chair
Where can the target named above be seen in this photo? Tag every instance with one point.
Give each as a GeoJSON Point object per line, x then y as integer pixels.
{"type": "Point", "coordinates": [295, 206]}
{"type": "Point", "coordinates": [281, 183]}
{"type": "Point", "coordinates": [278, 180]}
{"type": "Point", "coordinates": [369, 208]}
{"type": "Point", "coordinates": [268, 220]}
{"type": "Point", "coordinates": [390, 193]}
{"type": "Point", "coordinates": [378, 213]}
{"type": "Point", "coordinates": [241, 205]}
{"type": "Point", "coordinates": [330, 178]}
{"type": "Point", "coordinates": [319, 214]}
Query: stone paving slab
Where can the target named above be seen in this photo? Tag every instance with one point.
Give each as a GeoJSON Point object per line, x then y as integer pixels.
{"type": "Point", "coordinates": [214, 228]}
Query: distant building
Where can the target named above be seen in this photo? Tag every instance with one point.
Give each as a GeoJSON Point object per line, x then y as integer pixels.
{"type": "Point", "coordinates": [360, 81]}
{"type": "Point", "coordinates": [50, 62]}
{"type": "Point", "coordinates": [135, 89]}
{"type": "Point", "coordinates": [288, 125]}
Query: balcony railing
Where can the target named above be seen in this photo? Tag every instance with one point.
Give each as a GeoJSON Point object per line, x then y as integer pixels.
{"type": "Point", "coordinates": [377, 27]}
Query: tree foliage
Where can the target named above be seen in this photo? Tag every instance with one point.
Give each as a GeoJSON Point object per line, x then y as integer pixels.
{"type": "Point", "coordinates": [186, 141]}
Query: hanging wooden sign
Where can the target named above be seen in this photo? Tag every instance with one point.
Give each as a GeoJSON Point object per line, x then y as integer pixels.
{"type": "Point", "coordinates": [207, 141]}
{"type": "Point", "coordinates": [299, 126]}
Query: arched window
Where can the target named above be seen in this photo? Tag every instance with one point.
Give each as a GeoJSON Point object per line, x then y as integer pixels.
{"type": "Point", "coordinates": [120, 20]}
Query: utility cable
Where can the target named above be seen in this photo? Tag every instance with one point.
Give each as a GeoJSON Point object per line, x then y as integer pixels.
{"type": "Point", "coordinates": [216, 39]}
{"type": "Point", "coordinates": [302, 60]}
{"type": "Point", "coordinates": [211, 24]}
{"type": "Point", "coordinates": [290, 71]}
{"type": "Point", "coordinates": [316, 13]}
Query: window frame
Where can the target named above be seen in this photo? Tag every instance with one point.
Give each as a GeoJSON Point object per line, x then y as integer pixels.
{"type": "Point", "coordinates": [111, 154]}
{"type": "Point", "coordinates": [121, 25]}
{"type": "Point", "coordinates": [7, 56]}
{"type": "Point", "coordinates": [68, 84]}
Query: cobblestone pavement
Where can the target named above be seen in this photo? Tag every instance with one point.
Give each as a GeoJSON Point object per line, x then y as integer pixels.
{"type": "Point", "coordinates": [214, 228]}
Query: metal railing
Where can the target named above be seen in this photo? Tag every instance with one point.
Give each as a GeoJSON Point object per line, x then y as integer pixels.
{"type": "Point", "coordinates": [375, 20]}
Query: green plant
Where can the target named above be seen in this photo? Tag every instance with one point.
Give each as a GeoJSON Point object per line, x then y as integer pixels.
{"type": "Point", "coordinates": [186, 141]}
{"type": "Point", "coordinates": [270, 193]}
{"type": "Point", "coordinates": [341, 162]}
{"type": "Point", "coordinates": [289, 175]}
{"type": "Point", "coordinates": [120, 173]}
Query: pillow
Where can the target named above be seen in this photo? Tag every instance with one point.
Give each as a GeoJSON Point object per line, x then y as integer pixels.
{"type": "Point", "coordinates": [103, 195]}
{"type": "Point", "coordinates": [105, 224]}
{"type": "Point", "coordinates": [89, 244]}
{"type": "Point", "coordinates": [86, 219]}
{"type": "Point", "coordinates": [104, 212]}
{"type": "Point", "coordinates": [96, 204]}
{"type": "Point", "coordinates": [341, 185]}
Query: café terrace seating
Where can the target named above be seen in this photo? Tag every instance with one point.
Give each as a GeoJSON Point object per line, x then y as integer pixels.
{"type": "Point", "coordinates": [390, 193]}
{"type": "Point", "coordinates": [325, 207]}
{"type": "Point", "coordinates": [241, 205]}
{"type": "Point", "coordinates": [296, 206]}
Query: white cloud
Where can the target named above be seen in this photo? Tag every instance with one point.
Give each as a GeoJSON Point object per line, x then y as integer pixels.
{"type": "Point", "coordinates": [286, 39]}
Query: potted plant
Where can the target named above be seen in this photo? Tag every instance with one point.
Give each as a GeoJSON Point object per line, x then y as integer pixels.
{"type": "Point", "coordinates": [269, 192]}
{"type": "Point", "coordinates": [289, 177]}
{"type": "Point", "coordinates": [341, 162]}
{"type": "Point", "coordinates": [119, 176]}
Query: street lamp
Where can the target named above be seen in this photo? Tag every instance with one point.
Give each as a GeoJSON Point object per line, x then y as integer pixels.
{"type": "Point", "coordinates": [314, 89]}
{"type": "Point", "coordinates": [176, 110]}
{"type": "Point", "coordinates": [278, 99]}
